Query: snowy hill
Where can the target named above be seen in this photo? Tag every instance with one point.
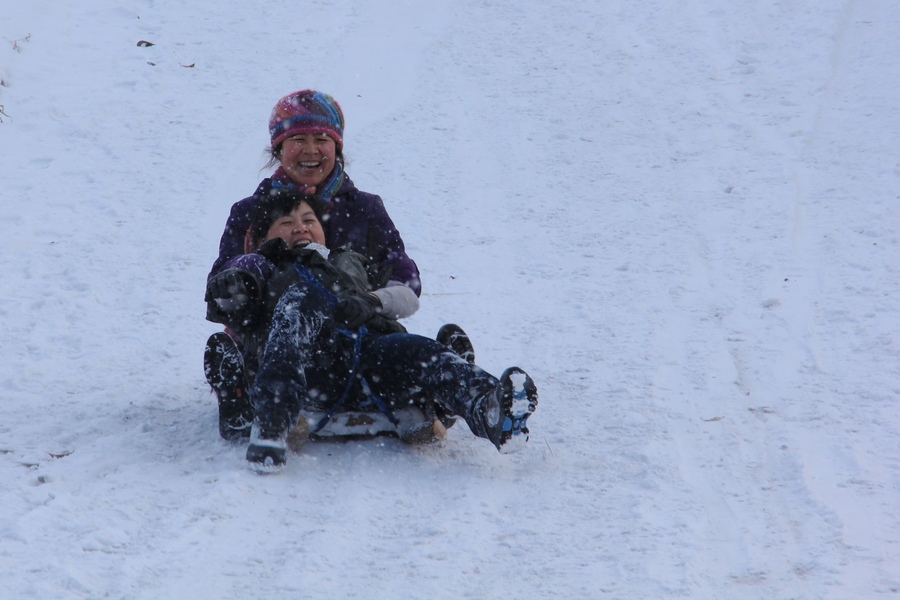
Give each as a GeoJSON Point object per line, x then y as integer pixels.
{"type": "Point", "coordinates": [681, 217]}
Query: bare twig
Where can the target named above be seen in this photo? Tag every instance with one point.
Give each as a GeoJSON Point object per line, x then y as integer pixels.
{"type": "Point", "coordinates": [17, 46]}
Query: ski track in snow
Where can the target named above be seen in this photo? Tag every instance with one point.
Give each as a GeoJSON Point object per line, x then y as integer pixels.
{"type": "Point", "coordinates": [680, 217]}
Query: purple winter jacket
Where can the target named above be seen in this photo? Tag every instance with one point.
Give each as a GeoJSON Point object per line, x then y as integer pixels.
{"type": "Point", "coordinates": [355, 220]}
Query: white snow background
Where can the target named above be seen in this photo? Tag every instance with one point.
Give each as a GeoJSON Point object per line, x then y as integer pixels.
{"type": "Point", "coordinates": [681, 217]}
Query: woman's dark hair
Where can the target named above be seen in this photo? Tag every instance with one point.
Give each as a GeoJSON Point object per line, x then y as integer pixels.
{"type": "Point", "coordinates": [278, 203]}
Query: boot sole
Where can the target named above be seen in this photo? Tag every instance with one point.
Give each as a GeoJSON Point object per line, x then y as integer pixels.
{"type": "Point", "coordinates": [453, 336]}
{"type": "Point", "coordinates": [517, 402]}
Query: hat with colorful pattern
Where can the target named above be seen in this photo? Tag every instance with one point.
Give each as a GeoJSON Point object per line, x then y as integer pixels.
{"type": "Point", "coordinates": [307, 111]}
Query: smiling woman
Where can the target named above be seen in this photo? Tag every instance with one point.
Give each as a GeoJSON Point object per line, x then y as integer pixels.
{"type": "Point", "coordinates": [307, 141]}
{"type": "Point", "coordinates": [307, 158]}
{"type": "Point", "coordinates": [307, 130]}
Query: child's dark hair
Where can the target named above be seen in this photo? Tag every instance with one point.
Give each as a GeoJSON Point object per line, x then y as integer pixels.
{"type": "Point", "coordinates": [281, 202]}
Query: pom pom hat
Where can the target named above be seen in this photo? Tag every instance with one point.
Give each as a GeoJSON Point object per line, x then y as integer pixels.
{"type": "Point", "coordinates": [307, 111]}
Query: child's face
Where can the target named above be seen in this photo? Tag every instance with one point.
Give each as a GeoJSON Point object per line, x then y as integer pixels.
{"type": "Point", "coordinates": [298, 228]}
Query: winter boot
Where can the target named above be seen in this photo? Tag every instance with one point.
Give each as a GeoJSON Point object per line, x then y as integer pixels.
{"type": "Point", "coordinates": [453, 336]}
{"type": "Point", "coordinates": [501, 414]}
{"type": "Point", "coordinates": [273, 423]}
{"type": "Point", "coordinates": [224, 369]}
{"type": "Point", "coordinates": [266, 452]}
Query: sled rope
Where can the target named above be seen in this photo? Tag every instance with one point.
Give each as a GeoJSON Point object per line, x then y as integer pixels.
{"type": "Point", "coordinates": [304, 273]}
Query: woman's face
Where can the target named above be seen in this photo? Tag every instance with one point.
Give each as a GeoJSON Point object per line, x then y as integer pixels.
{"type": "Point", "coordinates": [308, 158]}
{"type": "Point", "coordinates": [298, 228]}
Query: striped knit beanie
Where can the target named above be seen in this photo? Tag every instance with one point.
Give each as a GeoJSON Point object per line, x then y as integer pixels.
{"type": "Point", "coordinates": [307, 111]}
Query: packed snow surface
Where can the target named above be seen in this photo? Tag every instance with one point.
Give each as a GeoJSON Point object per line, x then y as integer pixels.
{"type": "Point", "coordinates": [681, 218]}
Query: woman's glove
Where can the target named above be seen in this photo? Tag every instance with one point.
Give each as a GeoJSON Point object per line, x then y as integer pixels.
{"type": "Point", "coordinates": [355, 311]}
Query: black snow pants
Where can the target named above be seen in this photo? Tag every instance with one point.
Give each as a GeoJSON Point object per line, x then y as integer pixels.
{"type": "Point", "coordinates": [310, 363]}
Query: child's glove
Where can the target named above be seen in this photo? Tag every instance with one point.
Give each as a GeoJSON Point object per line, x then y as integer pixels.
{"type": "Point", "coordinates": [355, 311]}
{"type": "Point", "coordinates": [275, 250]}
{"type": "Point", "coordinates": [232, 291]}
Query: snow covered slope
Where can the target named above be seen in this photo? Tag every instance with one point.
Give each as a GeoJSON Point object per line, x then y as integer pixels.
{"type": "Point", "coordinates": [680, 217]}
